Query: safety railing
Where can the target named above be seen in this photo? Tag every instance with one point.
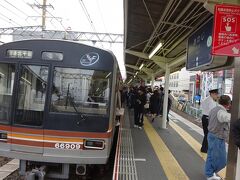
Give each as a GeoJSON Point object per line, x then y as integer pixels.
{"type": "Point", "coordinates": [187, 107]}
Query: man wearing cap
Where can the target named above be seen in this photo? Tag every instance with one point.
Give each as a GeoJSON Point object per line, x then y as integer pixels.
{"type": "Point", "coordinates": [206, 106]}
{"type": "Point", "coordinates": [219, 122]}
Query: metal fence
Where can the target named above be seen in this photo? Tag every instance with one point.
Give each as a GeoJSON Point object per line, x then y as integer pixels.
{"type": "Point", "coordinates": [188, 108]}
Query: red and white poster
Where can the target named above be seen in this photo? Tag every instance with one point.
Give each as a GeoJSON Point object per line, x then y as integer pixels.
{"type": "Point", "coordinates": [226, 32]}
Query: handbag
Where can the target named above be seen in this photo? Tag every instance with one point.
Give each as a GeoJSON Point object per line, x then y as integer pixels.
{"type": "Point", "coordinates": [146, 106]}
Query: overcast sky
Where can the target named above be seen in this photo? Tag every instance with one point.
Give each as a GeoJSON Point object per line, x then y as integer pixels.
{"type": "Point", "coordinates": [105, 16]}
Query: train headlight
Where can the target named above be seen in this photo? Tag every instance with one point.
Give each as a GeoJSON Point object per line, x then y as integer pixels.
{"type": "Point", "coordinates": [94, 144]}
{"type": "Point", "coordinates": [3, 137]}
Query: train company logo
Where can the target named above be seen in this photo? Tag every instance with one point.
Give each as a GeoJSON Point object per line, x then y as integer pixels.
{"type": "Point", "coordinates": [89, 59]}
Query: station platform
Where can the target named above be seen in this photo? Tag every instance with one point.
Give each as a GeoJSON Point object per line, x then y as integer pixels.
{"type": "Point", "coordinates": [160, 154]}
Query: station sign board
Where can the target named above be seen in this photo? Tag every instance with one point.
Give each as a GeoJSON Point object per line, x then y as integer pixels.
{"type": "Point", "coordinates": [199, 47]}
{"type": "Point", "coordinates": [226, 31]}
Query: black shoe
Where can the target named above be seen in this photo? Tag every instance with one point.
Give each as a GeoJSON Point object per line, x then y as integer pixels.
{"type": "Point", "coordinates": [203, 151]}
{"type": "Point", "coordinates": [152, 119]}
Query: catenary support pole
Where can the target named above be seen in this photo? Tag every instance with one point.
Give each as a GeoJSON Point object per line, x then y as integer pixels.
{"type": "Point", "coordinates": [235, 114]}
{"type": "Point", "coordinates": [165, 102]}
{"type": "Point", "coordinates": [238, 166]}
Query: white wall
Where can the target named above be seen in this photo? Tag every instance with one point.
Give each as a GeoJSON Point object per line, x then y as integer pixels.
{"type": "Point", "coordinates": [180, 80]}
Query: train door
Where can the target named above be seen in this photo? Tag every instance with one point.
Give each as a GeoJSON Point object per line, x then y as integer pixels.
{"type": "Point", "coordinates": [27, 129]}
{"type": "Point", "coordinates": [7, 75]}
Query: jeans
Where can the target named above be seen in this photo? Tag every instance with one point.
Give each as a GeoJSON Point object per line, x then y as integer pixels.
{"type": "Point", "coordinates": [216, 155]}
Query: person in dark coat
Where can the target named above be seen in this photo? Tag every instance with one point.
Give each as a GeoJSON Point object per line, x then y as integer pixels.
{"type": "Point", "coordinates": [131, 97]}
{"type": "Point", "coordinates": [169, 104]}
{"type": "Point", "coordinates": [154, 104]}
{"type": "Point", "coordinates": [236, 132]}
{"type": "Point", "coordinates": [140, 101]}
{"type": "Point", "coordinates": [161, 96]}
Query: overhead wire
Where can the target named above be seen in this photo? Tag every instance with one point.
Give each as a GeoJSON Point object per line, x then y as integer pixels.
{"type": "Point", "coordinates": [14, 13]}
{"type": "Point", "coordinates": [9, 20]}
{"type": "Point", "coordinates": [88, 17]}
{"type": "Point", "coordinates": [6, 20]}
{"type": "Point", "coordinates": [104, 25]}
{"type": "Point", "coordinates": [16, 8]}
{"type": "Point", "coordinates": [31, 7]}
{"type": "Point", "coordinates": [17, 15]}
{"type": "Point", "coordinates": [9, 10]}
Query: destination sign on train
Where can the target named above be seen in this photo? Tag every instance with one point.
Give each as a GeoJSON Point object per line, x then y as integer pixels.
{"type": "Point", "coordinates": [12, 53]}
{"type": "Point", "coordinates": [226, 33]}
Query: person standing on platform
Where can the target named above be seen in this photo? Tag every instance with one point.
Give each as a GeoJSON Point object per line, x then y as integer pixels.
{"type": "Point", "coordinates": [161, 96]}
{"type": "Point", "coordinates": [140, 101]}
{"type": "Point", "coordinates": [236, 132]}
{"type": "Point", "coordinates": [206, 106]}
{"type": "Point", "coordinates": [170, 99]}
{"type": "Point", "coordinates": [219, 123]}
{"type": "Point", "coordinates": [154, 104]}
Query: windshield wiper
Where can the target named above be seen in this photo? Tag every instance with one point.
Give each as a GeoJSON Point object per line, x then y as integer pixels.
{"type": "Point", "coordinates": [71, 99]}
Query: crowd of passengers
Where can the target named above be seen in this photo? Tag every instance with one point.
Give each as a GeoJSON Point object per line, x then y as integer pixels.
{"type": "Point", "coordinates": [145, 100]}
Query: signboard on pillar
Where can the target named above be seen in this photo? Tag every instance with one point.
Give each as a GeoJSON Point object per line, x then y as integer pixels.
{"type": "Point", "coordinates": [199, 47]}
{"type": "Point", "coordinates": [226, 33]}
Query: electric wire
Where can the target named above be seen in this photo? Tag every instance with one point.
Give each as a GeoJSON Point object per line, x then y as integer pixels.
{"type": "Point", "coordinates": [31, 7]}
{"type": "Point", "coordinates": [9, 20]}
{"type": "Point", "coordinates": [16, 8]}
{"type": "Point", "coordinates": [15, 14]}
{"type": "Point", "coordinates": [104, 25]}
{"type": "Point", "coordinates": [88, 17]}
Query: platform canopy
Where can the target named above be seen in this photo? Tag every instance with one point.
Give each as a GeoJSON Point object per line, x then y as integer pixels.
{"type": "Point", "coordinates": [170, 22]}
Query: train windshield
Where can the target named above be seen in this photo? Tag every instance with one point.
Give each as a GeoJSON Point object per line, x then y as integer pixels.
{"type": "Point", "coordinates": [80, 91]}
{"type": "Point", "coordinates": [31, 95]}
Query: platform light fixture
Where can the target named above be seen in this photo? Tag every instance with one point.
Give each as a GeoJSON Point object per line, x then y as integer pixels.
{"type": "Point", "coordinates": [141, 66]}
{"type": "Point", "coordinates": [155, 49]}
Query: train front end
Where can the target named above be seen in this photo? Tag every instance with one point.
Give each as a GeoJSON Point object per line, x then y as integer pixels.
{"type": "Point", "coordinates": [57, 104]}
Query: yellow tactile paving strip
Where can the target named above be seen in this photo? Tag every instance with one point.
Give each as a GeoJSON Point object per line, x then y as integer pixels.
{"type": "Point", "coordinates": [169, 164]}
{"type": "Point", "coordinates": [195, 145]}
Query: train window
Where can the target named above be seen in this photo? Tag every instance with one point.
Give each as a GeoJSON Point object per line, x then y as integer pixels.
{"type": "Point", "coordinates": [31, 95]}
{"type": "Point", "coordinates": [80, 91]}
{"type": "Point", "coordinates": [7, 74]}
{"type": "Point", "coordinates": [52, 56]}
{"type": "Point", "coordinates": [24, 54]}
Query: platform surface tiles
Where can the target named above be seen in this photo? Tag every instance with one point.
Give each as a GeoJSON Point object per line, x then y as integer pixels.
{"type": "Point", "coordinates": [161, 154]}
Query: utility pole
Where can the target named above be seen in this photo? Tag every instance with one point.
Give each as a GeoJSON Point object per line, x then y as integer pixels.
{"type": "Point", "coordinates": [44, 6]}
